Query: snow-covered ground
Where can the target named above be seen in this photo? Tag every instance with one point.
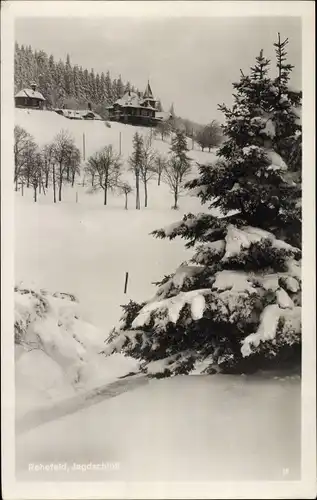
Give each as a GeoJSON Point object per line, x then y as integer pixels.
{"type": "Point", "coordinates": [44, 125]}
{"type": "Point", "coordinates": [191, 427]}
{"type": "Point", "coordinates": [186, 428]}
{"type": "Point", "coordinates": [85, 248]}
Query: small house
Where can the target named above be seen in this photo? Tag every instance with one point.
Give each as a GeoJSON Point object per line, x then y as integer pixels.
{"type": "Point", "coordinates": [78, 114]}
{"type": "Point", "coordinates": [29, 98]}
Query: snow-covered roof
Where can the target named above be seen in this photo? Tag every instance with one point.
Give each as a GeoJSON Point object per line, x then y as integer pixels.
{"type": "Point", "coordinates": [89, 112]}
{"type": "Point", "coordinates": [132, 99]}
{"type": "Point", "coordinates": [78, 114]}
{"type": "Point", "coordinates": [129, 99]}
{"type": "Point", "coordinates": [30, 93]}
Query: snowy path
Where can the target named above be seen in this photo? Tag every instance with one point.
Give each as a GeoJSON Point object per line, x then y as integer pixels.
{"type": "Point", "coordinates": [41, 416]}
{"type": "Point", "coordinates": [183, 428]}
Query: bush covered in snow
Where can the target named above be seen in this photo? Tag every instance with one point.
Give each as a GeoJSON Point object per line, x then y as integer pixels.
{"type": "Point", "coordinates": [51, 323]}
{"type": "Point", "coordinates": [238, 303]}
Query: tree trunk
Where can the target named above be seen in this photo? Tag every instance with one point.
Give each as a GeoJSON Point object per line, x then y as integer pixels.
{"type": "Point", "coordinates": [137, 195]}
{"type": "Point", "coordinates": [92, 180]}
{"type": "Point", "coordinates": [73, 179]}
{"type": "Point", "coordinates": [175, 198]}
{"type": "Point", "coordinates": [43, 189]}
{"type": "Point", "coordinates": [22, 188]}
{"type": "Point", "coordinates": [46, 180]}
{"type": "Point", "coordinates": [68, 174]}
{"type": "Point", "coordinates": [60, 182]}
{"type": "Point", "coordinates": [35, 193]}
{"type": "Point", "coordinates": [54, 184]}
{"type": "Point", "coordinates": [106, 186]}
{"type": "Point", "coordinates": [159, 179]}
{"type": "Point", "coordinates": [28, 180]}
{"type": "Point", "coordinates": [40, 182]}
{"type": "Point", "coordinates": [126, 201]}
{"type": "Point", "coordinates": [145, 194]}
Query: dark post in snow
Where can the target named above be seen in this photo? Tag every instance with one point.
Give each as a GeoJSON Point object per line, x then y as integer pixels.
{"type": "Point", "coordinates": [120, 143]}
{"type": "Point", "coordinates": [76, 196]}
{"type": "Point", "coordinates": [22, 185]}
{"type": "Point", "coordinates": [84, 147]}
{"type": "Point", "coordinates": [126, 282]}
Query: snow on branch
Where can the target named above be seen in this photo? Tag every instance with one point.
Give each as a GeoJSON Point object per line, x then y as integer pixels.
{"type": "Point", "coordinates": [238, 239]}
{"type": "Point", "coordinates": [200, 227]}
{"type": "Point", "coordinates": [275, 324]}
{"type": "Point", "coordinates": [184, 276]}
{"type": "Point", "coordinates": [172, 307]}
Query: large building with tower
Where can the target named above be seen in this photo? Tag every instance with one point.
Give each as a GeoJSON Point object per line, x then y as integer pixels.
{"type": "Point", "coordinates": [136, 109]}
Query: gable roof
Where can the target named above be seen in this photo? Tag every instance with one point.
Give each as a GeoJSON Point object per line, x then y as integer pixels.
{"type": "Point", "coordinates": [132, 99]}
{"type": "Point", "coordinates": [30, 93]}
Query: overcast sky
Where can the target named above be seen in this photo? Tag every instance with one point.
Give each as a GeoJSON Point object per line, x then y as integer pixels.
{"type": "Point", "coordinates": [191, 62]}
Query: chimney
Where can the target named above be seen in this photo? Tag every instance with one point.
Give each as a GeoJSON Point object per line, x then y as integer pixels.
{"type": "Point", "coordinates": [33, 86]}
{"type": "Point", "coordinates": [89, 106]}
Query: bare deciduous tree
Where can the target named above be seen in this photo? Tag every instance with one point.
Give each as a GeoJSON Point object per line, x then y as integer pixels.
{"type": "Point", "coordinates": [163, 128]}
{"type": "Point", "coordinates": [74, 164]}
{"type": "Point", "coordinates": [21, 144]}
{"type": "Point", "coordinates": [126, 189]}
{"type": "Point", "coordinates": [91, 172]}
{"type": "Point", "coordinates": [159, 165]}
{"type": "Point", "coordinates": [35, 173]}
{"type": "Point", "coordinates": [64, 145]}
{"type": "Point", "coordinates": [147, 170]}
{"type": "Point", "coordinates": [214, 135]}
{"type": "Point", "coordinates": [24, 151]}
{"type": "Point", "coordinates": [173, 175]}
{"type": "Point", "coordinates": [209, 136]}
{"type": "Point", "coordinates": [106, 165]}
{"type": "Point", "coordinates": [48, 160]}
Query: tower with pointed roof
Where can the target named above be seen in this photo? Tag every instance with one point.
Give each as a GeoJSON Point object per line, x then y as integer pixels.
{"type": "Point", "coordinates": [148, 96]}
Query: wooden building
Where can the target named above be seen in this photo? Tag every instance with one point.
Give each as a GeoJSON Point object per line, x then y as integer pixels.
{"type": "Point", "coordinates": [135, 109]}
{"type": "Point", "coordinates": [29, 98]}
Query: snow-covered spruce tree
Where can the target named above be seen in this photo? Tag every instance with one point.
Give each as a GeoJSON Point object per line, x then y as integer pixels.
{"type": "Point", "coordinates": [237, 306]}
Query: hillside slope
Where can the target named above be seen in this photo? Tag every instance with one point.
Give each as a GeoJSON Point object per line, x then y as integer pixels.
{"type": "Point", "coordinates": [44, 125]}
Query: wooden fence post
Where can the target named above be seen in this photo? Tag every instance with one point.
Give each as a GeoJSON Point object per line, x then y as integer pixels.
{"type": "Point", "coordinates": [126, 282]}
